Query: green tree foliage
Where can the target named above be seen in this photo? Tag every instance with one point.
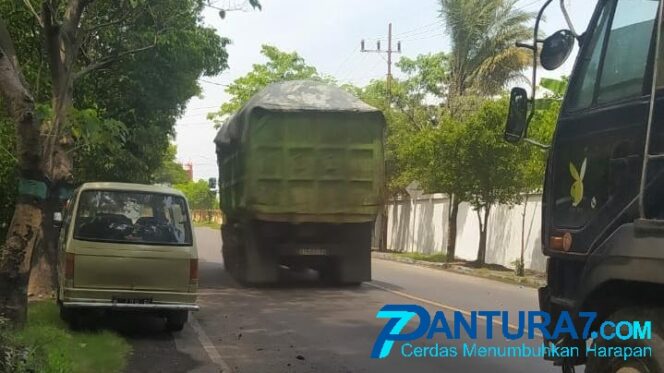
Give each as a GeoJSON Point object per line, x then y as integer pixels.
{"type": "Point", "coordinates": [280, 66]}
{"type": "Point", "coordinates": [557, 87]}
{"type": "Point", "coordinates": [170, 171]}
{"type": "Point", "coordinates": [139, 65]}
{"type": "Point", "coordinates": [483, 34]}
{"type": "Point", "coordinates": [198, 194]}
{"type": "Point", "coordinates": [411, 105]}
{"type": "Point", "coordinates": [7, 175]}
{"type": "Point", "coordinates": [148, 91]}
{"type": "Point", "coordinates": [117, 75]}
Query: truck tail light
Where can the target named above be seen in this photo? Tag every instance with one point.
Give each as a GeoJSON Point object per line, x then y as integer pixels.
{"type": "Point", "coordinates": [69, 266]}
{"type": "Point", "coordinates": [193, 269]}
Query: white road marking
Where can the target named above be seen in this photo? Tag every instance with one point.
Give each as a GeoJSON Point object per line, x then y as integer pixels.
{"type": "Point", "coordinates": [208, 346]}
{"type": "Point", "coordinates": [443, 306]}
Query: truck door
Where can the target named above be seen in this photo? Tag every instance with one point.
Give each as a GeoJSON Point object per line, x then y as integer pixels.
{"type": "Point", "coordinates": [597, 151]}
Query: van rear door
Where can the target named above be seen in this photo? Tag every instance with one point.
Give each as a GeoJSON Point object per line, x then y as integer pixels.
{"type": "Point", "coordinates": [132, 240]}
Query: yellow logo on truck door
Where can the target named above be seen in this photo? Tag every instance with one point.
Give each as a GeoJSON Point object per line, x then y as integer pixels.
{"type": "Point", "coordinates": [576, 192]}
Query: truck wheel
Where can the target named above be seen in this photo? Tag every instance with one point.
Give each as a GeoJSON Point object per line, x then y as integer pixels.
{"type": "Point", "coordinates": [228, 247]}
{"type": "Point", "coordinates": [258, 264]}
{"type": "Point", "coordinates": [328, 272]}
{"type": "Point", "coordinates": [175, 320]}
{"type": "Point", "coordinates": [646, 364]}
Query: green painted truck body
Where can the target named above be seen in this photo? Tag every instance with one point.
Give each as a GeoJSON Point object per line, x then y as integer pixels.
{"type": "Point", "coordinates": [315, 157]}
{"type": "Point", "coordinates": [301, 176]}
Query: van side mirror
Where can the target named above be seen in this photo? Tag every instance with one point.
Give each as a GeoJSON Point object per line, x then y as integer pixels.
{"type": "Point", "coordinates": [556, 49]}
{"type": "Point", "coordinates": [517, 116]}
{"type": "Point", "coordinates": [57, 219]}
{"type": "Point", "coordinates": [212, 183]}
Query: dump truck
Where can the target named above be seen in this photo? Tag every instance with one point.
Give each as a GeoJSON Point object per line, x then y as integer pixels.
{"type": "Point", "coordinates": [602, 205]}
{"type": "Point", "coordinates": [301, 176]}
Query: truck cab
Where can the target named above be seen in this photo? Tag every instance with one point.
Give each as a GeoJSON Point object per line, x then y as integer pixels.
{"type": "Point", "coordinates": [602, 217]}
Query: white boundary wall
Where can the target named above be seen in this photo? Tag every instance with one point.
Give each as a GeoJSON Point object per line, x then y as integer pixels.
{"type": "Point", "coordinates": [421, 225]}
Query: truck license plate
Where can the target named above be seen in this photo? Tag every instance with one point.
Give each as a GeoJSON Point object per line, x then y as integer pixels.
{"type": "Point", "coordinates": [312, 251]}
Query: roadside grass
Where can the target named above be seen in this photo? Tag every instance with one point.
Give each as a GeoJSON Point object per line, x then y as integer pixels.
{"type": "Point", "coordinates": [489, 270]}
{"type": "Point", "coordinates": [207, 224]}
{"type": "Point", "coordinates": [436, 258]}
{"type": "Point", "coordinates": [62, 350]}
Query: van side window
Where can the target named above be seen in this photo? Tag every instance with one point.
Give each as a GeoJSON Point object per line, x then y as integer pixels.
{"type": "Point", "coordinates": [627, 50]}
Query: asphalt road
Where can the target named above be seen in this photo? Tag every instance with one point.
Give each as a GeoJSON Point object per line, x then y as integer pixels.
{"type": "Point", "coordinates": [302, 326]}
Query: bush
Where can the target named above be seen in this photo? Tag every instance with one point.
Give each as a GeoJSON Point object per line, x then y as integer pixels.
{"type": "Point", "coordinates": [47, 345]}
{"type": "Point", "coordinates": [15, 356]}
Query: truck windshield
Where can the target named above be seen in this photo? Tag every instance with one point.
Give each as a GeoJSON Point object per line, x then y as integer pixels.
{"type": "Point", "coordinates": [132, 217]}
{"type": "Point", "coordinates": [613, 64]}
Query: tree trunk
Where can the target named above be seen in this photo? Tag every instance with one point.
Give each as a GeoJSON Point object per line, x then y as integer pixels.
{"type": "Point", "coordinates": [382, 241]}
{"type": "Point", "coordinates": [61, 45]}
{"type": "Point", "coordinates": [452, 227]}
{"type": "Point", "coordinates": [25, 228]}
{"type": "Point", "coordinates": [481, 250]}
{"type": "Point", "coordinates": [520, 269]}
{"type": "Point", "coordinates": [43, 276]}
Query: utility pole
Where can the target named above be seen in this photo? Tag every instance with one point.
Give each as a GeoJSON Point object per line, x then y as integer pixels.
{"type": "Point", "coordinates": [389, 52]}
{"type": "Point", "coordinates": [382, 241]}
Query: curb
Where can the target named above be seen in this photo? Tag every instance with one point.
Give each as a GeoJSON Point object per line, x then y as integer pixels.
{"type": "Point", "coordinates": [528, 281]}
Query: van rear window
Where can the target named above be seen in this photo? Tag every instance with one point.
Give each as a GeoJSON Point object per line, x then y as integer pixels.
{"type": "Point", "coordinates": [132, 217]}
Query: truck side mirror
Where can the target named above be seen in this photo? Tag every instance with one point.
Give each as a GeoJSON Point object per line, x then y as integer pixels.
{"type": "Point", "coordinates": [517, 122]}
{"type": "Point", "coordinates": [556, 49]}
{"type": "Point", "coordinates": [212, 183]}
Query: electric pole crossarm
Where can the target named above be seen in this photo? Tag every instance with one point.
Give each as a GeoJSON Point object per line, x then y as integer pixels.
{"type": "Point", "coordinates": [389, 53]}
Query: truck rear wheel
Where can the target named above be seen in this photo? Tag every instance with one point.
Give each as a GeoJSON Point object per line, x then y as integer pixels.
{"type": "Point", "coordinates": [646, 364]}
{"type": "Point", "coordinates": [231, 252]}
{"type": "Point", "coordinates": [259, 264]}
{"type": "Point", "coordinates": [328, 272]}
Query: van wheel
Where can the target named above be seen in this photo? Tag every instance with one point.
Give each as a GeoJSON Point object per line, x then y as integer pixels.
{"type": "Point", "coordinates": [78, 319]}
{"type": "Point", "coordinates": [647, 364]}
{"type": "Point", "coordinates": [67, 314]}
{"type": "Point", "coordinates": [175, 320]}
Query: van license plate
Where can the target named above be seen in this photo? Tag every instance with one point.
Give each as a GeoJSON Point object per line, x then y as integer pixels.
{"type": "Point", "coordinates": [132, 300]}
{"type": "Point", "coordinates": [312, 251]}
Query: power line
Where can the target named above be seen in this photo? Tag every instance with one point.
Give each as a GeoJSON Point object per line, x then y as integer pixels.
{"type": "Point", "coordinates": [204, 108]}
{"type": "Point", "coordinates": [345, 61]}
{"type": "Point", "coordinates": [350, 71]}
{"type": "Point", "coordinates": [210, 123]}
{"type": "Point", "coordinates": [404, 33]}
{"type": "Point", "coordinates": [215, 83]}
{"type": "Point", "coordinates": [424, 29]}
{"type": "Point", "coordinates": [420, 34]}
{"type": "Point", "coordinates": [428, 37]}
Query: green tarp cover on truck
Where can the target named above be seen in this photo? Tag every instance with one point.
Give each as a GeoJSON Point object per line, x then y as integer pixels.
{"type": "Point", "coordinates": [302, 151]}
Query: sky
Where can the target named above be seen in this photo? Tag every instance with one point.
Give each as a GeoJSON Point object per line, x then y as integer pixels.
{"type": "Point", "coordinates": [327, 34]}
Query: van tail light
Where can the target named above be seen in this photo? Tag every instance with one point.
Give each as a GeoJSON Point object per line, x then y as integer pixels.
{"type": "Point", "coordinates": [193, 270]}
{"type": "Point", "coordinates": [69, 266]}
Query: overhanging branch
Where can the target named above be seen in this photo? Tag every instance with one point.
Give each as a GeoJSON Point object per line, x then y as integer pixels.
{"type": "Point", "coordinates": [34, 13]}
{"type": "Point", "coordinates": [111, 59]}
